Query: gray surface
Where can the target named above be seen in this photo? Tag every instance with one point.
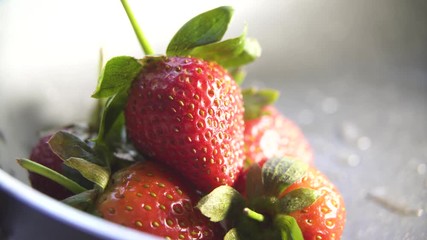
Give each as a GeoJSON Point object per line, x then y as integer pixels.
{"type": "Point", "coordinates": [353, 74]}
{"type": "Point", "coordinates": [371, 142]}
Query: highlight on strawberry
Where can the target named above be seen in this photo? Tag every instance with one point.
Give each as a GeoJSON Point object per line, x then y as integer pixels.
{"type": "Point", "coordinates": [176, 133]}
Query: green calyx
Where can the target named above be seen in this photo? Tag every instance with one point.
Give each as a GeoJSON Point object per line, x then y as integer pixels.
{"type": "Point", "coordinates": [256, 99]}
{"type": "Point", "coordinates": [200, 37]}
{"type": "Point", "coordinates": [264, 213]}
{"type": "Point", "coordinates": [223, 202]}
{"type": "Point", "coordinates": [118, 74]}
{"type": "Point", "coordinates": [288, 227]}
{"type": "Point", "coordinates": [279, 173]}
{"type": "Point", "coordinates": [205, 28]}
{"type": "Point", "coordinates": [84, 201]}
{"type": "Point", "coordinates": [82, 167]}
{"type": "Point", "coordinates": [79, 156]}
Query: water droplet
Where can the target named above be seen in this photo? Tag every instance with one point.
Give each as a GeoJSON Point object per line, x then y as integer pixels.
{"type": "Point", "coordinates": [330, 105]}
{"type": "Point", "coordinates": [364, 143]}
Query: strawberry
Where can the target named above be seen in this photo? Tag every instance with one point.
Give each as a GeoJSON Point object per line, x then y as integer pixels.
{"type": "Point", "coordinates": [325, 218]}
{"type": "Point", "coordinates": [268, 133]}
{"type": "Point", "coordinates": [188, 113]}
{"type": "Point", "coordinates": [287, 199]}
{"type": "Point", "coordinates": [149, 197]}
{"type": "Point", "coordinates": [43, 154]}
{"type": "Point", "coordinates": [272, 135]}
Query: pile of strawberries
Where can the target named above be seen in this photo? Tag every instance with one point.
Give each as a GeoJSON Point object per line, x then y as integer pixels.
{"type": "Point", "coordinates": [182, 152]}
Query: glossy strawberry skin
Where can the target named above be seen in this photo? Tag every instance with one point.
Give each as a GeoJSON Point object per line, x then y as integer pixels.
{"type": "Point", "coordinates": [151, 198]}
{"type": "Point", "coordinates": [188, 113]}
{"type": "Point", "coordinates": [274, 135]}
{"type": "Point", "coordinates": [325, 218]}
{"type": "Point", "coordinates": [43, 154]}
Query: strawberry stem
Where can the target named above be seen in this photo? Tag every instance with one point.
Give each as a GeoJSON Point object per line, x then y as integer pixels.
{"type": "Point", "coordinates": [52, 175]}
{"type": "Point", "coordinates": [253, 215]}
{"type": "Point", "coordinates": [139, 34]}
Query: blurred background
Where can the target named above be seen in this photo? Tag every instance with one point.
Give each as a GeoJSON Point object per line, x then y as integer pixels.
{"type": "Point", "coordinates": [352, 74]}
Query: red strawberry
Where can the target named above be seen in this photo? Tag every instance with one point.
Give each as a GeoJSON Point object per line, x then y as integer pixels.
{"type": "Point", "coordinates": [43, 154]}
{"type": "Point", "coordinates": [286, 199]}
{"type": "Point", "coordinates": [272, 135]}
{"type": "Point", "coordinates": [148, 197]}
{"type": "Point", "coordinates": [325, 218]}
{"type": "Point", "coordinates": [188, 113]}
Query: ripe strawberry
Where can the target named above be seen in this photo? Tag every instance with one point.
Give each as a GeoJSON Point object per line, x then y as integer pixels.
{"type": "Point", "coordinates": [270, 135]}
{"type": "Point", "coordinates": [149, 197]}
{"type": "Point", "coordinates": [43, 154]}
{"type": "Point", "coordinates": [325, 218]}
{"type": "Point", "coordinates": [286, 199]}
{"type": "Point", "coordinates": [273, 135]}
{"type": "Point", "coordinates": [188, 113]}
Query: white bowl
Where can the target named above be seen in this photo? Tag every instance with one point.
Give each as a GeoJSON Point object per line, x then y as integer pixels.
{"type": "Point", "coordinates": [352, 75]}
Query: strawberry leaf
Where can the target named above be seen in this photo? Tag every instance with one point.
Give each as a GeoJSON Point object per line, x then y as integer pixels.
{"type": "Point", "coordinates": [238, 74]}
{"type": "Point", "coordinates": [280, 173]}
{"type": "Point", "coordinates": [83, 201]}
{"type": "Point", "coordinates": [221, 51]}
{"type": "Point", "coordinates": [90, 171]}
{"type": "Point", "coordinates": [232, 235]}
{"type": "Point", "coordinates": [205, 28]}
{"type": "Point", "coordinates": [51, 174]}
{"type": "Point", "coordinates": [255, 100]}
{"type": "Point", "coordinates": [111, 119]}
{"type": "Point", "coordinates": [297, 199]}
{"type": "Point", "coordinates": [251, 51]}
{"type": "Point", "coordinates": [289, 227]}
{"type": "Point", "coordinates": [230, 53]}
{"type": "Point", "coordinates": [67, 145]}
{"type": "Point", "coordinates": [223, 202]}
{"type": "Point", "coordinates": [118, 74]}
{"type": "Point", "coordinates": [116, 134]}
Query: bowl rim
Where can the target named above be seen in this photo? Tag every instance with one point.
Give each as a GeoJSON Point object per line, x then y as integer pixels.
{"type": "Point", "coordinates": [61, 212]}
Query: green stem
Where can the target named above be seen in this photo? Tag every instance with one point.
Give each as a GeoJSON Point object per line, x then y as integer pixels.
{"type": "Point", "coordinates": [52, 175]}
{"type": "Point", "coordinates": [139, 34]}
{"type": "Point", "coordinates": [96, 114]}
{"type": "Point", "coordinates": [253, 215]}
